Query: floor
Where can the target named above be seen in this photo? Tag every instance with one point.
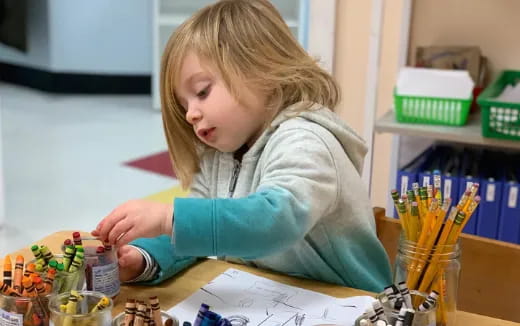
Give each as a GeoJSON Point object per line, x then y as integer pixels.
{"type": "Point", "coordinates": [68, 160]}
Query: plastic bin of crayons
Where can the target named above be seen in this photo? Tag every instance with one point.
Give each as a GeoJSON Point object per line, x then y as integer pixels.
{"type": "Point", "coordinates": [119, 320]}
{"type": "Point", "coordinates": [80, 308]}
{"type": "Point", "coordinates": [420, 318]}
{"type": "Point", "coordinates": [102, 268]}
{"type": "Point", "coordinates": [25, 311]}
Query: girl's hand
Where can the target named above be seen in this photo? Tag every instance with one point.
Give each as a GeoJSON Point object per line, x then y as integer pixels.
{"type": "Point", "coordinates": [135, 219]}
{"type": "Point", "coordinates": [131, 263]}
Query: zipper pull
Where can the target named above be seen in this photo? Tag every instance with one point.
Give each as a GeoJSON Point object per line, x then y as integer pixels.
{"type": "Point", "coordinates": [234, 178]}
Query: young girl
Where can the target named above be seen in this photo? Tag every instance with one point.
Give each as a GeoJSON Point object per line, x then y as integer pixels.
{"type": "Point", "coordinates": [274, 174]}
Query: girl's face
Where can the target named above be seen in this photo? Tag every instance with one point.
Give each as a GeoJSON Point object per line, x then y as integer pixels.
{"type": "Point", "coordinates": [218, 119]}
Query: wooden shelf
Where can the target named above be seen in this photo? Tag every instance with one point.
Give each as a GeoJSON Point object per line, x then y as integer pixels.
{"type": "Point", "coordinates": [468, 134]}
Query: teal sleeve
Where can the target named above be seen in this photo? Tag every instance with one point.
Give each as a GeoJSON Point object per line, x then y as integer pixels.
{"type": "Point", "coordinates": [164, 253]}
{"type": "Point", "coordinates": [258, 225]}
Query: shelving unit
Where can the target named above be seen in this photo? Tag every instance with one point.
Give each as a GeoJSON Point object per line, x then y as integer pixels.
{"type": "Point", "coordinates": [410, 139]}
{"type": "Point", "coordinates": [468, 134]}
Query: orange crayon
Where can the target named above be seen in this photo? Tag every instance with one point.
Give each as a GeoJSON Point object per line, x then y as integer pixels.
{"type": "Point", "coordinates": [7, 290]}
{"type": "Point", "coordinates": [18, 273]}
{"type": "Point", "coordinates": [29, 270]}
{"type": "Point", "coordinates": [49, 280]}
{"type": "Point", "coordinates": [38, 284]}
{"type": "Point", "coordinates": [8, 270]}
{"type": "Point", "coordinates": [29, 289]}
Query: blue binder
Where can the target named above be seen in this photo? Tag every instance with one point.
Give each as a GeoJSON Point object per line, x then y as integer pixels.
{"type": "Point", "coordinates": [470, 174]}
{"type": "Point", "coordinates": [450, 175]}
{"type": "Point", "coordinates": [408, 174]}
{"type": "Point", "coordinates": [491, 188]}
{"type": "Point", "coordinates": [509, 225]}
{"type": "Point", "coordinates": [434, 163]}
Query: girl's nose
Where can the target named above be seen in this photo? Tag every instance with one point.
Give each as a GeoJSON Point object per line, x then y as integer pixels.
{"type": "Point", "coordinates": [193, 116]}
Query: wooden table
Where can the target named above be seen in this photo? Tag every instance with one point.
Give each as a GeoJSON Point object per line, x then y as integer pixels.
{"type": "Point", "coordinates": [189, 281]}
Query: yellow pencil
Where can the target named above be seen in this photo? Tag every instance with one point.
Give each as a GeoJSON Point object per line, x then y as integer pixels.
{"type": "Point", "coordinates": [472, 193]}
{"type": "Point", "coordinates": [421, 253]}
{"type": "Point", "coordinates": [430, 242]}
{"type": "Point", "coordinates": [401, 211]}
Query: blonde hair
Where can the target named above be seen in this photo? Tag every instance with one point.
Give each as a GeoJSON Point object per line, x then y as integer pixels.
{"type": "Point", "coordinates": [246, 42]}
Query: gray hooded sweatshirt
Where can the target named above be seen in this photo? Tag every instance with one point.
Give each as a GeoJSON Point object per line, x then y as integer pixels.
{"type": "Point", "coordinates": [295, 204]}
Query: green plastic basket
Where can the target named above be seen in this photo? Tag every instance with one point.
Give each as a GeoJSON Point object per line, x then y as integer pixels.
{"type": "Point", "coordinates": [500, 119]}
{"type": "Point", "coordinates": [431, 110]}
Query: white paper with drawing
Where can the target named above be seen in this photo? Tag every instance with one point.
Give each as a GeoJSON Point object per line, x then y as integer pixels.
{"type": "Point", "coordinates": [236, 294]}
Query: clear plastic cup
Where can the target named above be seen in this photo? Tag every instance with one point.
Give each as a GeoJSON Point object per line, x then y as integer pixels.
{"type": "Point", "coordinates": [24, 310]}
{"type": "Point", "coordinates": [119, 319]}
{"type": "Point", "coordinates": [102, 269]}
{"type": "Point", "coordinates": [421, 318]}
{"type": "Point", "coordinates": [84, 315]}
{"type": "Point", "coordinates": [64, 281]}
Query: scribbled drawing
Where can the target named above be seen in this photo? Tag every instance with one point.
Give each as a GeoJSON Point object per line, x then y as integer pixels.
{"type": "Point", "coordinates": [231, 274]}
{"type": "Point", "coordinates": [238, 320]}
{"type": "Point", "coordinates": [325, 313]}
{"type": "Point", "coordinates": [298, 319]}
{"type": "Point", "coordinates": [246, 302]}
{"type": "Point", "coordinates": [265, 321]}
{"type": "Point", "coordinates": [288, 320]}
{"type": "Point", "coordinates": [273, 294]}
{"type": "Point", "coordinates": [213, 294]}
{"type": "Point", "coordinates": [275, 320]}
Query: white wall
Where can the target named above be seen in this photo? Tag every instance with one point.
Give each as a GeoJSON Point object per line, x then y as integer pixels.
{"type": "Point", "coordinates": [100, 36]}
{"type": "Point", "coordinates": [37, 55]}
{"type": "Point", "coordinates": [95, 36]}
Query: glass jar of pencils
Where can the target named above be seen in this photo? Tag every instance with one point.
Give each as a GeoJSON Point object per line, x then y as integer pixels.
{"type": "Point", "coordinates": [431, 269]}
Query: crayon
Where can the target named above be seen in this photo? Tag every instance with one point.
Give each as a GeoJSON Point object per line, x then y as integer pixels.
{"type": "Point", "coordinates": [8, 271]}
{"type": "Point", "coordinates": [18, 274]}
{"type": "Point", "coordinates": [156, 311]}
{"type": "Point", "coordinates": [47, 254]}
{"type": "Point", "coordinates": [9, 291]}
{"type": "Point", "coordinates": [76, 236]}
{"type": "Point", "coordinates": [36, 252]}
{"type": "Point", "coordinates": [130, 311]}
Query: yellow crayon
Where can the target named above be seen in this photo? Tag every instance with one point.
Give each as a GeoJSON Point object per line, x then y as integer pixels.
{"type": "Point", "coordinates": [102, 304]}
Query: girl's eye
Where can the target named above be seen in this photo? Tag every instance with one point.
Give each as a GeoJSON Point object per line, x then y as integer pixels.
{"type": "Point", "coordinates": [203, 93]}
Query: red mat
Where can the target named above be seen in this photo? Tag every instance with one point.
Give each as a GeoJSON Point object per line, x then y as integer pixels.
{"type": "Point", "coordinates": [157, 163]}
